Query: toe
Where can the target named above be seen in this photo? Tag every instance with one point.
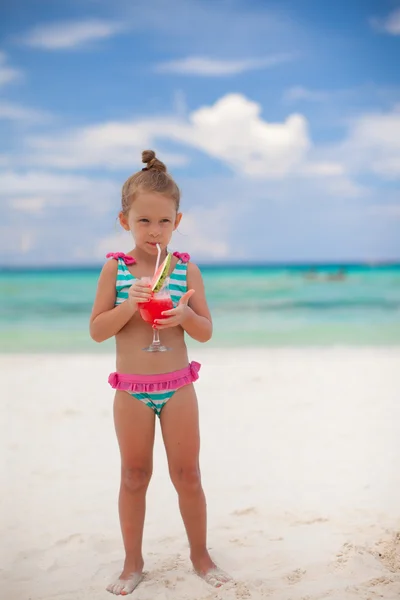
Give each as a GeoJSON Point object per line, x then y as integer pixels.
{"type": "Point", "coordinates": [123, 587]}
{"type": "Point", "coordinates": [114, 588]}
{"type": "Point", "coordinates": [216, 578]}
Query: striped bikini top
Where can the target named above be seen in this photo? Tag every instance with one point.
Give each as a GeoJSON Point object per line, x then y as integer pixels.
{"type": "Point", "coordinates": [124, 280]}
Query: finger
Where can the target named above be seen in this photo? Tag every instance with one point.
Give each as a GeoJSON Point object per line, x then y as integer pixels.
{"type": "Point", "coordinates": [141, 290]}
{"type": "Point", "coordinates": [185, 298]}
{"type": "Point", "coordinates": [142, 287]}
{"type": "Point", "coordinates": [140, 299]}
{"type": "Point", "coordinates": [140, 296]}
{"type": "Point", "coordinates": [171, 312]}
{"type": "Point", "coordinates": [164, 321]}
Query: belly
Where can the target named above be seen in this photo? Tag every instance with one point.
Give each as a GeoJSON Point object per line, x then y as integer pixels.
{"type": "Point", "coordinates": [137, 335]}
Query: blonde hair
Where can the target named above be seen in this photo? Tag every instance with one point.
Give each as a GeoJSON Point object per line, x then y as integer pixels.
{"type": "Point", "coordinates": [152, 178]}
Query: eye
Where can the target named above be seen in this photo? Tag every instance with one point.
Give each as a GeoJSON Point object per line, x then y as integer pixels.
{"type": "Point", "coordinates": [143, 220]}
{"type": "Point", "coordinates": [165, 221]}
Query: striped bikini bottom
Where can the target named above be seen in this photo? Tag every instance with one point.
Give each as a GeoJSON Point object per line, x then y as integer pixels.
{"type": "Point", "coordinates": [155, 390]}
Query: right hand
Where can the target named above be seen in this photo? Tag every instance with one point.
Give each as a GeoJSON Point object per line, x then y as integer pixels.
{"type": "Point", "coordinates": [139, 292]}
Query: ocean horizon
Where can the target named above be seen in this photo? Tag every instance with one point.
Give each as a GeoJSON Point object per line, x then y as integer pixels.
{"type": "Point", "coordinates": [46, 308]}
{"type": "Point", "coordinates": [350, 264]}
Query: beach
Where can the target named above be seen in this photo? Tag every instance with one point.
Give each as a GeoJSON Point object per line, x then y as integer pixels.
{"type": "Point", "coordinates": [300, 464]}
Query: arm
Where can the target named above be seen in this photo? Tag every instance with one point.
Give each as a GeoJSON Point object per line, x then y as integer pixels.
{"type": "Point", "coordinates": [198, 321]}
{"type": "Point", "coordinates": [107, 319]}
{"type": "Point", "coordinates": [192, 312]}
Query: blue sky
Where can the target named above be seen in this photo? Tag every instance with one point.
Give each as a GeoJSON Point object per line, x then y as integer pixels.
{"type": "Point", "coordinates": [279, 120]}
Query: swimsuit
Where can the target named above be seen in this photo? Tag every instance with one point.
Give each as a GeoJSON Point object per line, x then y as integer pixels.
{"type": "Point", "coordinates": [177, 279]}
{"type": "Point", "coordinates": [153, 390]}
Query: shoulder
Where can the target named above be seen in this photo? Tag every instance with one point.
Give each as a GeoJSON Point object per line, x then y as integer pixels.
{"type": "Point", "coordinates": [194, 276]}
{"type": "Point", "coordinates": [109, 270]}
{"type": "Point", "coordinates": [193, 269]}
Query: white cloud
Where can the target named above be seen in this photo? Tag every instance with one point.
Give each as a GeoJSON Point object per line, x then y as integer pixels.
{"type": "Point", "coordinates": [388, 166]}
{"type": "Point", "coordinates": [233, 131]}
{"type": "Point", "coordinates": [296, 93]}
{"type": "Point", "coordinates": [120, 241]}
{"type": "Point", "coordinates": [114, 146]}
{"type": "Point", "coordinates": [328, 179]}
{"type": "Point", "coordinates": [204, 233]}
{"type": "Point", "coordinates": [30, 204]}
{"type": "Point", "coordinates": [390, 25]}
{"type": "Point", "coordinates": [35, 189]}
{"type": "Point", "coordinates": [342, 187]}
{"type": "Point", "coordinates": [8, 74]}
{"type": "Point", "coordinates": [15, 112]}
{"type": "Point", "coordinates": [322, 169]}
{"type": "Point", "coordinates": [212, 67]}
{"type": "Point", "coordinates": [373, 144]}
{"type": "Point", "coordinates": [4, 161]}
{"type": "Point", "coordinates": [71, 34]}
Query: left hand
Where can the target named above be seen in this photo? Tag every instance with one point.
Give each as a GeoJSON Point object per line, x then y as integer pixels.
{"type": "Point", "coordinates": [175, 316]}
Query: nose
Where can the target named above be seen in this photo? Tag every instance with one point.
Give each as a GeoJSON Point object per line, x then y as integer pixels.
{"type": "Point", "coordinates": [155, 232]}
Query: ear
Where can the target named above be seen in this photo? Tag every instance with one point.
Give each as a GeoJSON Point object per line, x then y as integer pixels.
{"type": "Point", "coordinates": [177, 220]}
{"type": "Point", "coordinates": [123, 221]}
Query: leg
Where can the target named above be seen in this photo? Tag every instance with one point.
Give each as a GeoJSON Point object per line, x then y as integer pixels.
{"type": "Point", "coordinates": [180, 430]}
{"type": "Point", "coordinates": [135, 426]}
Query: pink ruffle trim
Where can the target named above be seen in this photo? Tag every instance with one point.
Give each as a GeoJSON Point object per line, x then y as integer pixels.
{"type": "Point", "coordinates": [128, 260]}
{"type": "Point", "coordinates": [155, 383]}
{"type": "Point", "coordinates": [184, 256]}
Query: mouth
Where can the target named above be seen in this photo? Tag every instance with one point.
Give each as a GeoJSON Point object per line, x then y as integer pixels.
{"type": "Point", "coordinates": [153, 243]}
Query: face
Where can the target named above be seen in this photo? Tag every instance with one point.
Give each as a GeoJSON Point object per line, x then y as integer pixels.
{"type": "Point", "coordinates": [152, 219]}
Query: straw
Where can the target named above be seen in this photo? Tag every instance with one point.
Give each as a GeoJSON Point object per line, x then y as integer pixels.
{"type": "Point", "coordinates": [158, 258]}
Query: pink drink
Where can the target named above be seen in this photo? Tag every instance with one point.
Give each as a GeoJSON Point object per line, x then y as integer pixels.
{"type": "Point", "coordinates": [153, 309]}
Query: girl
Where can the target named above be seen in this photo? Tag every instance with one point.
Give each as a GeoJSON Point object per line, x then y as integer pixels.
{"type": "Point", "coordinates": [160, 383]}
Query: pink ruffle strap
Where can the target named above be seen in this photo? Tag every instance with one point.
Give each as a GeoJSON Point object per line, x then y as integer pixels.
{"type": "Point", "coordinates": [183, 256]}
{"type": "Point", "coordinates": [128, 260]}
{"type": "Point", "coordinates": [155, 383]}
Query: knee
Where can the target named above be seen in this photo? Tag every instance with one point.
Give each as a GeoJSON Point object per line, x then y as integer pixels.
{"type": "Point", "coordinates": [135, 479]}
{"type": "Point", "coordinates": [186, 479]}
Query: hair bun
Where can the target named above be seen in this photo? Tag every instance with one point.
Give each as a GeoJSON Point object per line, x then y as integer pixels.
{"type": "Point", "coordinates": [148, 155]}
{"type": "Point", "coordinates": [149, 158]}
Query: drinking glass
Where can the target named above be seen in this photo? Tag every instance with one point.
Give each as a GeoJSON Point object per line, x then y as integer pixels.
{"type": "Point", "coordinates": [153, 309]}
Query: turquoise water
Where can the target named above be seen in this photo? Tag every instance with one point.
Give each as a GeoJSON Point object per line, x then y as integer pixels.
{"type": "Point", "coordinates": [48, 310]}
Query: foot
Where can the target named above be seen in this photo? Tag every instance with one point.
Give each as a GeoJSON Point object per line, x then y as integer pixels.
{"type": "Point", "coordinates": [124, 586]}
{"type": "Point", "coordinates": [208, 570]}
{"type": "Point", "coordinates": [129, 579]}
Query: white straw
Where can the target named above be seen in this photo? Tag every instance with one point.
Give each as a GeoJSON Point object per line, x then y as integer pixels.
{"type": "Point", "coordinates": [158, 257]}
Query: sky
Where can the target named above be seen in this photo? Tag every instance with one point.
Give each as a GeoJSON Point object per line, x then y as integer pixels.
{"type": "Point", "coordinates": [280, 122]}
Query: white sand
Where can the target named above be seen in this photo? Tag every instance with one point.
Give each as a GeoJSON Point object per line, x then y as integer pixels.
{"type": "Point", "coordinates": [303, 491]}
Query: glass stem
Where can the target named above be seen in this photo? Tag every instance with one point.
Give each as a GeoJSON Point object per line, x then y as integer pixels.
{"type": "Point", "coordinates": [156, 337]}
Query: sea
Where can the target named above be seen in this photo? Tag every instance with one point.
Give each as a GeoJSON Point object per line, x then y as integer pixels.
{"type": "Point", "coordinates": [48, 310]}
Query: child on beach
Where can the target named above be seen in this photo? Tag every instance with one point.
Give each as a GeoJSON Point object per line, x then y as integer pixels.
{"type": "Point", "coordinates": [158, 383]}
